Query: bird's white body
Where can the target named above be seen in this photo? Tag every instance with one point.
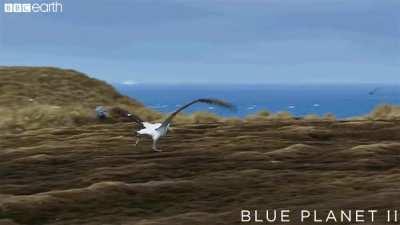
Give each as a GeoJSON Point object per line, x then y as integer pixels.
{"type": "Point", "coordinates": [150, 129]}
{"type": "Point", "coordinates": [155, 130]}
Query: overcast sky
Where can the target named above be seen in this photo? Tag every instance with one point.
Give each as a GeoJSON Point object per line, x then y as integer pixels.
{"type": "Point", "coordinates": [211, 41]}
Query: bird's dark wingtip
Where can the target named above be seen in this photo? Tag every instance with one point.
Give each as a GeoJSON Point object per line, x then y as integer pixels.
{"type": "Point", "coordinates": [219, 102]}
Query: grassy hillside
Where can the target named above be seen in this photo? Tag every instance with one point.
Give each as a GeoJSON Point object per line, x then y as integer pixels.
{"type": "Point", "coordinates": [40, 97]}
{"type": "Point", "coordinates": [33, 97]}
{"type": "Point", "coordinates": [94, 174]}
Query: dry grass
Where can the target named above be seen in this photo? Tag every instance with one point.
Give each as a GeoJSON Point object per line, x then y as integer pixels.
{"type": "Point", "coordinates": [314, 117]}
{"type": "Point", "coordinates": [265, 116]}
{"type": "Point", "coordinates": [25, 85]}
{"type": "Point", "coordinates": [259, 116]}
{"type": "Point", "coordinates": [205, 117]}
{"type": "Point", "coordinates": [48, 97]}
{"type": "Point", "coordinates": [40, 115]}
{"type": "Point", "coordinates": [94, 174]}
{"type": "Point", "coordinates": [329, 117]}
{"type": "Point", "coordinates": [282, 116]}
{"type": "Point", "coordinates": [233, 121]}
{"type": "Point", "coordinates": [33, 98]}
{"type": "Point", "coordinates": [385, 112]}
{"type": "Point", "coordinates": [263, 113]}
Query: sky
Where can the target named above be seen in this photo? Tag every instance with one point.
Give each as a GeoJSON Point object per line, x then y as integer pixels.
{"type": "Point", "coordinates": [211, 41]}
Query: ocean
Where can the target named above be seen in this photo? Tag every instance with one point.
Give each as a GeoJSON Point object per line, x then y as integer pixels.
{"type": "Point", "coordinates": [341, 100]}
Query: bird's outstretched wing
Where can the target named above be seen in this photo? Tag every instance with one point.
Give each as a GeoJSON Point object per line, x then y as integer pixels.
{"type": "Point", "coordinates": [210, 101]}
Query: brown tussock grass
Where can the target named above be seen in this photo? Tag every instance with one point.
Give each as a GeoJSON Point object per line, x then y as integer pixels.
{"type": "Point", "coordinates": [385, 112]}
{"type": "Point", "coordinates": [36, 97]}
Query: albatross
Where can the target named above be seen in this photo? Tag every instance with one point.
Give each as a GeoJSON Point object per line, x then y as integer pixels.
{"type": "Point", "coordinates": [158, 130]}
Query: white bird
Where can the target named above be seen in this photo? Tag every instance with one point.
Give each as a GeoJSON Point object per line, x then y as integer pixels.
{"type": "Point", "coordinates": [158, 130]}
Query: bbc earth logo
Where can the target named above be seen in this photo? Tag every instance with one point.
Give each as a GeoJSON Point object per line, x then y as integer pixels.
{"type": "Point", "coordinates": [50, 7]}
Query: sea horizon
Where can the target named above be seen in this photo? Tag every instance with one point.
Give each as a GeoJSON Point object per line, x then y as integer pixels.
{"type": "Point", "coordinates": [342, 100]}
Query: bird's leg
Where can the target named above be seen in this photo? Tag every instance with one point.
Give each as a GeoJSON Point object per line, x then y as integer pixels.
{"type": "Point", "coordinates": [155, 147]}
{"type": "Point", "coordinates": [137, 139]}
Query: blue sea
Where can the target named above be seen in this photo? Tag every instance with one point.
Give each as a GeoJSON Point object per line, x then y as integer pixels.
{"type": "Point", "coordinates": [341, 100]}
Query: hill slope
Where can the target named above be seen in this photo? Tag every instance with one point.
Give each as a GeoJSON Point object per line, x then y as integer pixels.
{"type": "Point", "coordinates": [23, 85]}
{"type": "Point", "coordinates": [93, 174]}
{"type": "Point", "coordinates": [32, 97]}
